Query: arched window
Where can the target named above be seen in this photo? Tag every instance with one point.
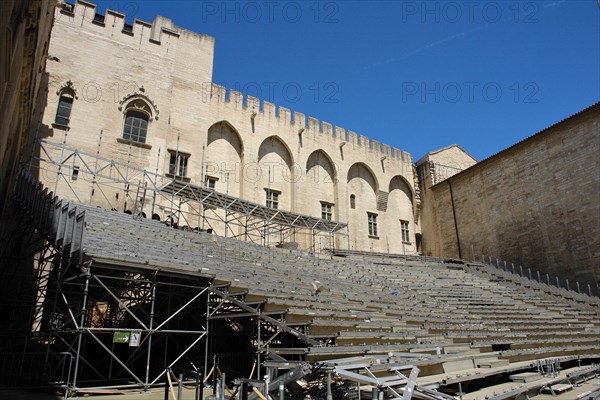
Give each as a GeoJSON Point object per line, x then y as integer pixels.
{"type": "Point", "coordinates": [66, 96]}
{"type": "Point", "coordinates": [139, 111]}
{"type": "Point", "coordinates": [136, 126]}
{"type": "Point", "coordinates": [63, 111]}
{"type": "Point", "coordinates": [137, 116]}
{"type": "Point", "coordinates": [352, 201]}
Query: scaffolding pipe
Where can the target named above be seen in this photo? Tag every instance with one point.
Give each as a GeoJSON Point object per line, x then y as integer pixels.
{"type": "Point", "coordinates": [80, 329]}
{"type": "Point", "coordinates": [150, 325]}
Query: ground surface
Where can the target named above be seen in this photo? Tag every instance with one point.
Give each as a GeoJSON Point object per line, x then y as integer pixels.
{"type": "Point", "coordinates": [155, 394]}
{"type": "Point", "coordinates": [188, 394]}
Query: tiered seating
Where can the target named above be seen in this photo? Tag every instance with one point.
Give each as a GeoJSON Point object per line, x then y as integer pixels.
{"type": "Point", "coordinates": [448, 316]}
{"type": "Point", "coordinates": [362, 304]}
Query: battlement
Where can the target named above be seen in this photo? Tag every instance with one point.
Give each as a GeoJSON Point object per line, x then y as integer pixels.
{"type": "Point", "coordinates": [302, 124]}
{"type": "Point", "coordinates": [163, 32]}
{"type": "Point", "coordinates": [157, 32]}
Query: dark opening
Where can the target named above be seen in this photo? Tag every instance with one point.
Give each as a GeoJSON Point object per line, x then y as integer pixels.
{"type": "Point", "coordinates": [500, 346]}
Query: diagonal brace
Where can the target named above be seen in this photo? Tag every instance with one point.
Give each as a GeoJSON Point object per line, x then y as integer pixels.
{"type": "Point", "coordinates": [120, 302]}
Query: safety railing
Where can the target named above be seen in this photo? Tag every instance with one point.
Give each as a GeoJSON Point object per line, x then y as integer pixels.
{"type": "Point", "coordinates": [540, 277]}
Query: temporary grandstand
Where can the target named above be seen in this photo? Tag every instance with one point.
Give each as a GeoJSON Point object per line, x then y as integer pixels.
{"type": "Point", "coordinates": [124, 301]}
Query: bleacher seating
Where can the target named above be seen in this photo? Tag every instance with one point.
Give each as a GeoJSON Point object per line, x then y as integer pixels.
{"type": "Point", "coordinates": [359, 301]}
{"type": "Point", "coordinates": [366, 304]}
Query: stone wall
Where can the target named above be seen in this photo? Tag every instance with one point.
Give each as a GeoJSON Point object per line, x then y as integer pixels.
{"type": "Point", "coordinates": [536, 204]}
{"type": "Point", "coordinates": [25, 32]}
{"type": "Point", "coordinates": [245, 145]}
{"type": "Point", "coordinates": [25, 27]}
{"type": "Point", "coordinates": [432, 169]}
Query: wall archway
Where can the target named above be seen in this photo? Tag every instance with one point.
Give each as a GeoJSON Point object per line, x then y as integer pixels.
{"type": "Point", "coordinates": [362, 185]}
{"type": "Point", "coordinates": [223, 130]}
{"type": "Point", "coordinates": [321, 177]}
{"type": "Point", "coordinates": [276, 172]}
{"type": "Point", "coordinates": [400, 184]}
{"type": "Point", "coordinates": [401, 212]}
{"type": "Point", "coordinates": [363, 172]}
{"type": "Point", "coordinates": [274, 144]}
{"type": "Point", "coordinates": [224, 157]}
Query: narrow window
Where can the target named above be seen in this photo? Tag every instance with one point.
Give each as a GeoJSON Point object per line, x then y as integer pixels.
{"type": "Point", "coordinates": [178, 162]}
{"type": "Point", "coordinates": [210, 182]}
{"type": "Point", "coordinates": [272, 198]}
{"type": "Point", "coordinates": [352, 201]}
{"type": "Point", "coordinates": [136, 126]}
{"type": "Point", "coordinates": [372, 218]}
{"type": "Point", "coordinates": [172, 164]}
{"type": "Point", "coordinates": [326, 210]}
{"type": "Point", "coordinates": [63, 112]}
{"type": "Point", "coordinates": [75, 173]}
{"type": "Point", "coordinates": [183, 160]}
{"type": "Point", "coordinates": [405, 231]}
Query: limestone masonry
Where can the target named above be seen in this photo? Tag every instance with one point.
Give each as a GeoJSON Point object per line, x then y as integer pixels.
{"type": "Point", "coordinates": [159, 75]}
{"type": "Point", "coordinates": [535, 204]}
{"type": "Point", "coordinates": [141, 95]}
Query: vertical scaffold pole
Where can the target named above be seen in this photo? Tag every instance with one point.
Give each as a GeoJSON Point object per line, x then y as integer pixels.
{"type": "Point", "coordinates": [258, 350]}
{"type": "Point", "coordinates": [150, 327]}
{"type": "Point", "coordinates": [81, 323]}
{"type": "Point", "coordinates": [206, 343]}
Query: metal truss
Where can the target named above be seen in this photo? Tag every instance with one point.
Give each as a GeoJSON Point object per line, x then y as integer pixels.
{"type": "Point", "coordinates": [368, 371]}
{"type": "Point", "coordinates": [259, 337]}
{"type": "Point", "coordinates": [128, 187]}
{"type": "Point", "coordinates": [119, 322]}
{"type": "Point", "coordinates": [123, 323]}
{"type": "Point", "coordinates": [115, 323]}
{"type": "Point", "coordinates": [233, 204]}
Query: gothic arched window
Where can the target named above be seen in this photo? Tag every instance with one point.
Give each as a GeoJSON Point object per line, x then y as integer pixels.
{"type": "Point", "coordinates": [66, 97]}
{"type": "Point", "coordinates": [137, 116]}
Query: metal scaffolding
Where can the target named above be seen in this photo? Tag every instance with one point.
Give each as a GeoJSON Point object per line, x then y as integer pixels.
{"type": "Point", "coordinates": [251, 216]}
{"type": "Point", "coordinates": [130, 188]}
{"type": "Point", "coordinates": [120, 323]}
{"type": "Point", "coordinates": [124, 324]}
{"type": "Point", "coordinates": [105, 321]}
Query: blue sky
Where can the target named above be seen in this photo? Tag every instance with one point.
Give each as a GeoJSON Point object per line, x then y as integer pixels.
{"type": "Point", "coordinates": [415, 75]}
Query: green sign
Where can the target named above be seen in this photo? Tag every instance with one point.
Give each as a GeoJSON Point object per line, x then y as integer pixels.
{"type": "Point", "coordinates": [121, 337]}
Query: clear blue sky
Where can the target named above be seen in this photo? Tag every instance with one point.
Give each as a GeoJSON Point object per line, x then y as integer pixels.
{"type": "Point", "coordinates": [415, 75]}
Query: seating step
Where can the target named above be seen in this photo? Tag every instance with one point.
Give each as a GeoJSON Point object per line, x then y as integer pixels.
{"type": "Point", "coordinates": [525, 377]}
{"type": "Point", "coordinates": [455, 349]}
{"type": "Point", "coordinates": [491, 363]}
{"type": "Point", "coordinates": [503, 391]}
{"type": "Point", "coordinates": [557, 389]}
